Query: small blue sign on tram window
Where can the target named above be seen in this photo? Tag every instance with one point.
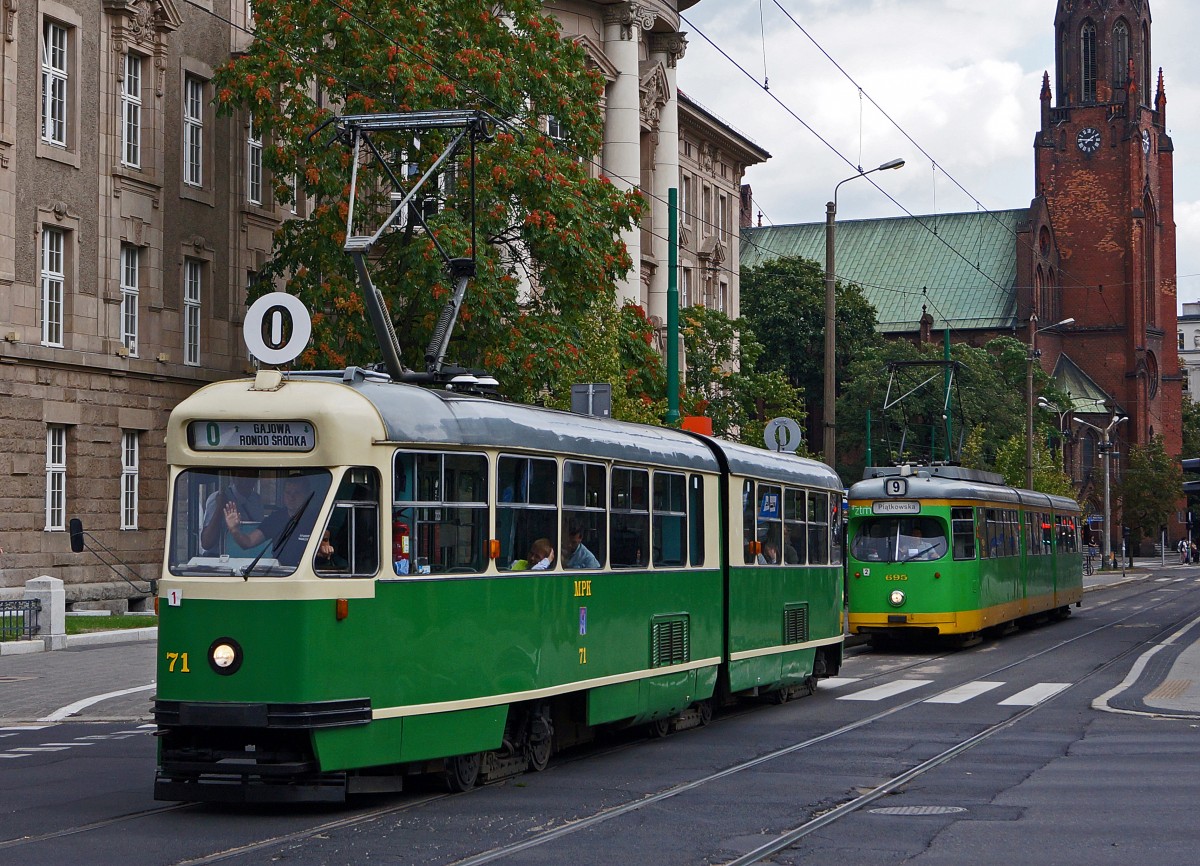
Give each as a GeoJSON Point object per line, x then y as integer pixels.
{"type": "Point", "coordinates": [769, 509]}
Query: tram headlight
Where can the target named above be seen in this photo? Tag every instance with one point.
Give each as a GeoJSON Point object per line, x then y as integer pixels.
{"type": "Point", "coordinates": [225, 655]}
{"type": "Point", "coordinates": [896, 598]}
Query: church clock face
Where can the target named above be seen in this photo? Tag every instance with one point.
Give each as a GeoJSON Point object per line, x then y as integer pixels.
{"type": "Point", "coordinates": [1088, 139]}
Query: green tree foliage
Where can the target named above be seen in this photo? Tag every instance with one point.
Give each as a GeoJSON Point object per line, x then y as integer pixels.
{"type": "Point", "coordinates": [783, 301]}
{"type": "Point", "coordinates": [1191, 428]}
{"type": "Point", "coordinates": [1149, 490]}
{"type": "Point", "coordinates": [548, 232]}
{"type": "Point", "coordinates": [1048, 475]}
{"type": "Point", "coordinates": [723, 381]}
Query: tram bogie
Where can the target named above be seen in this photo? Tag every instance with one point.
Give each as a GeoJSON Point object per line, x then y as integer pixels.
{"type": "Point", "coordinates": [953, 553]}
{"type": "Point", "coordinates": [357, 589]}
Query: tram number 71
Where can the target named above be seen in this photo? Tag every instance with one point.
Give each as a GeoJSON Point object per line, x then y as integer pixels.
{"type": "Point", "coordinates": [180, 659]}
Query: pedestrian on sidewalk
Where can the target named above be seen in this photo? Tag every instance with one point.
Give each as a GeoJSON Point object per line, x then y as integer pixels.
{"type": "Point", "coordinates": [1182, 547]}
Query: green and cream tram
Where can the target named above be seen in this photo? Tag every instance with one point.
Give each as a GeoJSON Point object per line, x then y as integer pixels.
{"type": "Point", "coordinates": [943, 550]}
{"type": "Point", "coordinates": [356, 585]}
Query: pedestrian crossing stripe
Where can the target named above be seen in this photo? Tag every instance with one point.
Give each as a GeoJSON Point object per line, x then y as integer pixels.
{"type": "Point", "coordinates": [1029, 697]}
{"type": "Point", "coordinates": [964, 693]}
{"type": "Point", "coordinates": [887, 690]}
{"type": "Point", "coordinates": [1034, 695]}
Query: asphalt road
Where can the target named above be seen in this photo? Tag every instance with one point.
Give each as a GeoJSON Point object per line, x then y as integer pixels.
{"type": "Point", "coordinates": [1035, 748]}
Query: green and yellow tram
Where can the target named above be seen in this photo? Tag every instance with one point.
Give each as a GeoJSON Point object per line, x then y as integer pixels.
{"type": "Point", "coordinates": [942, 550]}
{"type": "Point", "coordinates": [366, 579]}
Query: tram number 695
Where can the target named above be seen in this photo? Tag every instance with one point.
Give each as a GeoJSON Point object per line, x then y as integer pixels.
{"type": "Point", "coordinates": [180, 659]}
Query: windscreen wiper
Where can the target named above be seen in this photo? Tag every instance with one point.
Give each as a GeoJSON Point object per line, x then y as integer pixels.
{"type": "Point", "coordinates": [283, 537]}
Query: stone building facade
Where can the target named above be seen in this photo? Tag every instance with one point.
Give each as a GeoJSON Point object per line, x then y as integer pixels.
{"type": "Point", "coordinates": [132, 219]}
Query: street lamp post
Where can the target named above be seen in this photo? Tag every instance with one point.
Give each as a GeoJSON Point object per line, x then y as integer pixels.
{"type": "Point", "coordinates": [1043, 403]}
{"type": "Point", "coordinates": [829, 447]}
{"type": "Point", "coordinates": [1106, 542]}
{"type": "Point", "coordinates": [1034, 330]}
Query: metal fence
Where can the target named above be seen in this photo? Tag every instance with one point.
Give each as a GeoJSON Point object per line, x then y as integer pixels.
{"type": "Point", "coordinates": [19, 619]}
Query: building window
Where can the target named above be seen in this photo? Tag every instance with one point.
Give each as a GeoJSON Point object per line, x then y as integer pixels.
{"type": "Point", "coordinates": [56, 477]}
{"type": "Point", "coordinates": [685, 294]}
{"type": "Point", "coordinates": [53, 283]}
{"type": "Point", "coordinates": [1120, 54]}
{"type": "Point", "coordinates": [131, 112]}
{"type": "Point", "coordinates": [254, 165]}
{"type": "Point", "coordinates": [723, 218]}
{"type": "Point", "coordinates": [129, 298]}
{"type": "Point", "coordinates": [193, 275]}
{"type": "Point", "coordinates": [129, 479]}
{"type": "Point", "coordinates": [723, 297]}
{"type": "Point", "coordinates": [707, 215]}
{"type": "Point", "coordinates": [685, 200]}
{"type": "Point", "coordinates": [1180, 338]}
{"type": "Point", "coordinates": [193, 131]}
{"type": "Point", "coordinates": [1087, 61]}
{"type": "Point", "coordinates": [54, 84]}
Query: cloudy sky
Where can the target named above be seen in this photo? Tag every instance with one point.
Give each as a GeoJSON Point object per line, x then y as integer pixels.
{"type": "Point", "coordinates": [960, 77]}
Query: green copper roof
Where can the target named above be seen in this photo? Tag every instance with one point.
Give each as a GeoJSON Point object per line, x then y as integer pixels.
{"type": "Point", "coordinates": [962, 267]}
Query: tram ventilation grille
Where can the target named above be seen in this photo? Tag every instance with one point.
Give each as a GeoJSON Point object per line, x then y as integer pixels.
{"type": "Point", "coordinates": [669, 641]}
{"type": "Point", "coordinates": [795, 623]}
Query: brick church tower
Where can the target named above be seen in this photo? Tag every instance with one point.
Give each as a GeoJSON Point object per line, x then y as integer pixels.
{"type": "Point", "coordinates": [1104, 171]}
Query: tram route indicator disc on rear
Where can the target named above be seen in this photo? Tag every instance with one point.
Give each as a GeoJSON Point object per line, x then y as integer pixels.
{"type": "Point", "coordinates": [782, 434]}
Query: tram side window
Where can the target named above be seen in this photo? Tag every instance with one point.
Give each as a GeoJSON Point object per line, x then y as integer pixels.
{"type": "Point", "coordinates": [696, 513]}
{"type": "Point", "coordinates": [1001, 531]}
{"type": "Point", "coordinates": [818, 528]}
{"type": "Point", "coordinates": [1067, 539]}
{"type": "Point", "coordinates": [1047, 533]}
{"type": "Point", "coordinates": [668, 528]}
{"type": "Point", "coordinates": [749, 547]}
{"type": "Point", "coordinates": [526, 509]}
{"type": "Point", "coordinates": [630, 517]}
{"type": "Point", "coordinates": [769, 525]}
{"type": "Point", "coordinates": [584, 515]}
{"type": "Point", "coordinates": [440, 513]}
{"type": "Point", "coordinates": [795, 511]}
{"type": "Point", "coordinates": [1033, 533]}
{"type": "Point", "coordinates": [962, 522]}
{"type": "Point", "coordinates": [352, 532]}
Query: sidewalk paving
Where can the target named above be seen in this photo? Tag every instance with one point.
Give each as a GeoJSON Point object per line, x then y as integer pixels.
{"type": "Point", "coordinates": [109, 676]}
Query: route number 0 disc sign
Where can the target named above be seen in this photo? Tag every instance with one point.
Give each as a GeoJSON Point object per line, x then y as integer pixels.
{"type": "Point", "coordinates": [277, 328]}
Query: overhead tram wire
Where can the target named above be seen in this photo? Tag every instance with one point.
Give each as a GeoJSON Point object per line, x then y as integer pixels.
{"type": "Point", "coordinates": [1030, 245]}
{"type": "Point", "coordinates": [311, 64]}
{"type": "Point", "coordinates": [919, 221]}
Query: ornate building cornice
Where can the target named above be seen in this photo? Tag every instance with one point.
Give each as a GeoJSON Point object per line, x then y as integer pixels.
{"type": "Point", "coordinates": [674, 45]}
{"type": "Point", "coordinates": [630, 15]}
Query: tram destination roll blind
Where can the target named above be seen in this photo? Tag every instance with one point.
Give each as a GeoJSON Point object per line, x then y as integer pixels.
{"type": "Point", "coordinates": [251, 436]}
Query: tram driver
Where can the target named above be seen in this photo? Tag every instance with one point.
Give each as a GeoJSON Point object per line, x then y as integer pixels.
{"type": "Point", "coordinates": [288, 528]}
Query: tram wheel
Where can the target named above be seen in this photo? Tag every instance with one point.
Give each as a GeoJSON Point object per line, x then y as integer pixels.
{"type": "Point", "coordinates": [660, 728]}
{"type": "Point", "coordinates": [705, 709]}
{"type": "Point", "coordinates": [779, 696]}
{"type": "Point", "coordinates": [539, 754]}
{"type": "Point", "coordinates": [462, 771]}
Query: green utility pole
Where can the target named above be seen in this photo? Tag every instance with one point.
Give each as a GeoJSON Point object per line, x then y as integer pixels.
{"type": "Point", "coordinates": [947, 378]}
{"type": "Point", "coordinates": [672, 307]}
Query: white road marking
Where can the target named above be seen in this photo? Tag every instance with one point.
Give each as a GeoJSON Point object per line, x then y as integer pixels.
{"type": "Point", "coordinates": [887, 690]}
{"type": "Point", "coordinates": [71, 709]}
{"type": "Point", "coordinates": [836, 682]}
{"type": "Point", "coordinates": [1034, 694]}
{"type": "Point", "coordinates": [964, 692]}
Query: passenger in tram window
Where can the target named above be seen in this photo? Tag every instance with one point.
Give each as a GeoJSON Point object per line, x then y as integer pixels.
{"type": "Point", "coordinates": [577, 554]}
{"type": "Point", "coordinates": [541, 555]}
{"type": "Point", "coordinates": [243, 492]}
{"type": "Point", "coordinates": [770, 552]}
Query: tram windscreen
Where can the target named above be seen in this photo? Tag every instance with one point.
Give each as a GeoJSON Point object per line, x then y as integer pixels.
{"type": "Point", "coordinates": [243, 521]}
{"type": "Point", "coordinates": [899, 539]}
